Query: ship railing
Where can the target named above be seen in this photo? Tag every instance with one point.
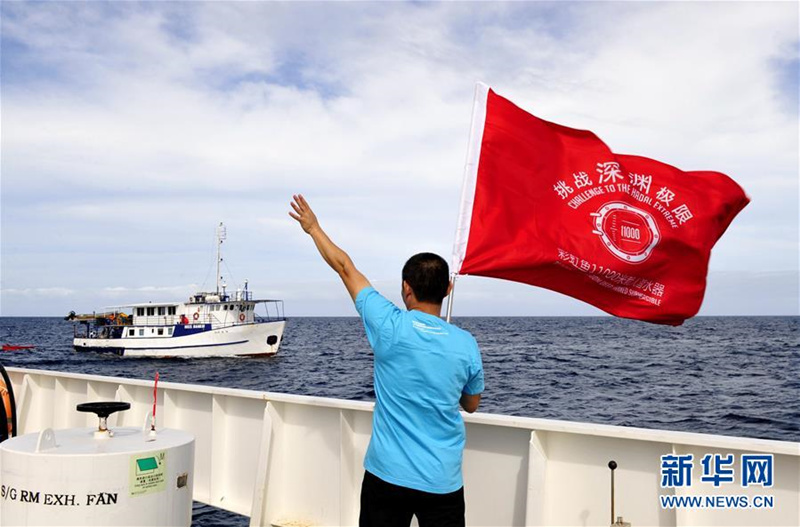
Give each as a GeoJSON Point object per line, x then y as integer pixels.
{"type": "Point", "coordinates": [274, 311]}
{"type": "Point", "coordinates": [100, 325]}
{"type": "Point", "coordinates": [87, 330]}
{"type": "Point", "coordinates": [83, 330]}
{"type": "Point", "coordinates": [297, 460]}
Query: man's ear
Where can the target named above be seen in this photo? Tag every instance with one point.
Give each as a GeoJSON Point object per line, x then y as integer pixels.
{"type": "Point", "coordinates": [406, 289]}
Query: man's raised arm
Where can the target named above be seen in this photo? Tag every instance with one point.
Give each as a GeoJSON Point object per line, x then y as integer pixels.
{"type": "Point", "coordinates": [339, 261]}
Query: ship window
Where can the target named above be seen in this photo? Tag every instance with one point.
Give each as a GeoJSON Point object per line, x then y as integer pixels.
{"type": "Point", "coordinates": [171, 310]}
{"type": "Point", "coordinates": [160, 331]}
{"type": "Point", "coordinates": [162, 310]}
{"type": "Point", "coordinates": [141, 332]}
{"type": "Point", "coordinates": [139, 311]}
{"type": "Point", "coordinates": [169, 331]}
{"type": "Point", "coordinates": [130, 332]}
{"type": "Point", "coordinates": [151, 311]}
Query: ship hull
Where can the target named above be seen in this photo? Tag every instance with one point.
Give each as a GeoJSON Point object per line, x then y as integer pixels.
{"type": "Point", "coordinates": [256, 339]}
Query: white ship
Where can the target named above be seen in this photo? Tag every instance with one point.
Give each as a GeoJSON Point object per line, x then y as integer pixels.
{"type": "Point", "coordinates": [209, 324]}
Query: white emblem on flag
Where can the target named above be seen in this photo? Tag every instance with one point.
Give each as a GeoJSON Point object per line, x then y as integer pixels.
{"type": "Point", "coordinates": [628, 233]}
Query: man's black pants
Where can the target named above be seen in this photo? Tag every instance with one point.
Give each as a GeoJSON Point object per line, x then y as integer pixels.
{"type": "Point", "coordinates": [387, 505]}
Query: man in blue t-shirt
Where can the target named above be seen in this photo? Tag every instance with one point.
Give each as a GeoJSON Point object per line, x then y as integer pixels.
{"type": "Point", "coordinates": [424, 369]}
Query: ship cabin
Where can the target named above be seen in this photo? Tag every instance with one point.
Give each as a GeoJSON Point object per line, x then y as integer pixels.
{"type": "Point", "coordinates": [217, 314]}
{"type": "Point", "coordinates": [203, 310]}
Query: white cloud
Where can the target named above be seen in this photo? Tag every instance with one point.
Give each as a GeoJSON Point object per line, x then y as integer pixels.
{"type": "Point", "coordinates": [136, 127]}
{"type": "Point", "coordinates": [39, 291]}
{"type": "Point", "coordinates": [117, 290]}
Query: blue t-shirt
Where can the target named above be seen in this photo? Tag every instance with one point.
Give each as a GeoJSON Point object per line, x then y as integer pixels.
{"type": "Point", "coordinates": [422, 366]}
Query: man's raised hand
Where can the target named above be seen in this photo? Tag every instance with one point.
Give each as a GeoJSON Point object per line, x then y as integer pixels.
{"type": "Point", "coordinates": [339, 261]}
{"type": "Point", "coordinates": [303, 213]}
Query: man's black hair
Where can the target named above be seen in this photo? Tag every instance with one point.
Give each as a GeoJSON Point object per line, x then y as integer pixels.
{"type": "Point", "coordinates": [428, 276]}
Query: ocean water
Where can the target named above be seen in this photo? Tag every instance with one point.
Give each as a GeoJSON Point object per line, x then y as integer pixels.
{"type": "Point", "coordinates": [719, 375]}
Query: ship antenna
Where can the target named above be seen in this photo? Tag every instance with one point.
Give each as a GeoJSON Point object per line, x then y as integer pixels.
{"type": "Point", "coordinates": [221, 235]}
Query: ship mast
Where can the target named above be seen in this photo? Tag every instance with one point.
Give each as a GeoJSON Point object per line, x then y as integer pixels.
{"type": "Point", "coordinates": [221, 235]}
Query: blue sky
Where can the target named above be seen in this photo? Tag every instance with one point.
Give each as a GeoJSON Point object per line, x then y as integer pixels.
{"type": "Point", "coordinates": [129, 130]}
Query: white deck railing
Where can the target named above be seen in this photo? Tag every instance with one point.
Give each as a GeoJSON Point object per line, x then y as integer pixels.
{"type": "Point", "coordinates": [295, 460]}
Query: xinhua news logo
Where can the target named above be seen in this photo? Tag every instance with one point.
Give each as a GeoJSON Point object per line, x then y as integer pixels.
{"type": "Point", "coordinates": [756, 470]}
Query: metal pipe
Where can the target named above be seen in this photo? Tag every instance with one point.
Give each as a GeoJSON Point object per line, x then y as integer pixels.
{"type": "Point", "coordinates": [612, 465]}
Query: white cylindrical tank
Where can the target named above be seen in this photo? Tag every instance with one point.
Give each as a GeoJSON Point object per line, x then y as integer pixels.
{"type": "Point", "coordinates": [83, 476]}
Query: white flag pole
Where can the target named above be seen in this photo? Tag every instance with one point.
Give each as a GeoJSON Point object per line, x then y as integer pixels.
{"type": "Point", "coordinates": [468, 186]}
{"type": "Point", "coordinates": [450, 297]}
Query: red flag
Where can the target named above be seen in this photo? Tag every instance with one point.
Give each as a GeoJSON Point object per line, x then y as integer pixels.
{"type": "Point", "coordinates": [554, 207]}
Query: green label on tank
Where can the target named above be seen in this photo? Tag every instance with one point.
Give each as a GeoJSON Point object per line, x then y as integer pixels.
{"type": "Point", "coordinates": [148, 473]}
{"type": "Point", "coordinates": [148, 463]}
